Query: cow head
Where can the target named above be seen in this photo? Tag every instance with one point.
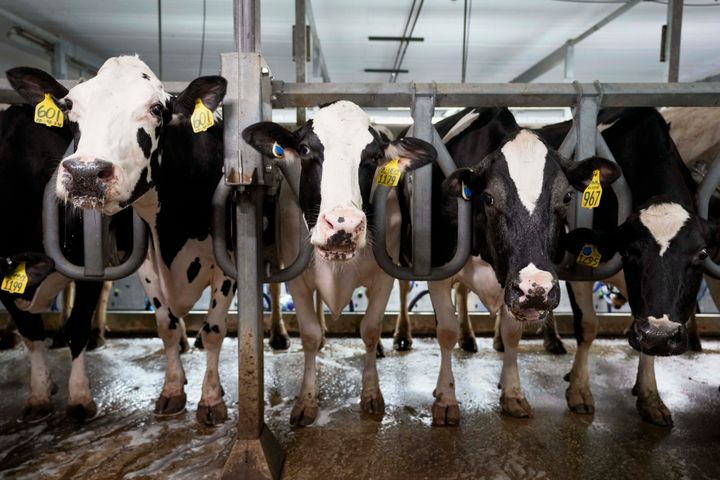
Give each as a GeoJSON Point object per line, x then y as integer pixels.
{"type": "Point", "coordinates": [521, 194]}
{"type": "Point", "coordinates": [338, 152]}
{"type": "Point", "coordinates": [118, 118]}
{"type": "Point", "coordinates": [663, 246]}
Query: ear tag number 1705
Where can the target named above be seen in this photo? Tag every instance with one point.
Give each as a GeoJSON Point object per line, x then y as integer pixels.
{"type": "Point", "coordinates": [389, 174]}
{"type": "Point", "coordinates": [48, 113]}
{"type": "Point", "coordinates": [593, 192]}
{"type": "Point", "coordinates": [16, 281]}
{"type": "Point", "coordinates": [201, 118]}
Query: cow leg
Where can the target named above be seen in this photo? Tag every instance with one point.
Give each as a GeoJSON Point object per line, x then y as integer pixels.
{"type": "Point", "coordinates": [551, 339]}
{"type": "Point", "coordinates": [445, 409]}
{"type": "Point", "coordinates": [467, 334]}
{"type": "Point", "coordinates": [97, 334]}
{"type": "Point", "coordinates": [172, 398]}
{"type": "Point", "coordinates": [77, 330]}
{"type": "Point", "coordinates": [320, 312]}
{"type": "Point", "coordinates": [279, 338]}
{"type": "Point", "coordinates": [497, 337]}
{"type": "Point", "coordinates": [578, 395]}
{"type": "Point", "coordinates": [693, 336]}
{"type": "Point", "coordinates": [30, 326]}
{"type": "Point", "coordinates": [651, 407]}
{"type": "Point", "coordinates": [57, 338]}
{"type": "Point", "coordinates": [512, 400]}
{"type": "Point", "coordinates": [378, 293]}
{"type": "Point", "coordinates": [305, 410]}
{"type": "Point", "coordinates": [211, 408]}
{"type": "Point", "coordinates": [402, 338]}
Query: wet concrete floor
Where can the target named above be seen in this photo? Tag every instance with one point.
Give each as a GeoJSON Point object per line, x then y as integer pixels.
{"type": "Point", "coordinates": [126, 441]}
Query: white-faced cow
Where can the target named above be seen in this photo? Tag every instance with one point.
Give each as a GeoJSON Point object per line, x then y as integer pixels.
{"type": "Point", "coordinates": [134, 146]}
{"type": "Point", "coordinates": [663, 244]}
{"type": "Point", "coordinates": [29, 154]}
{"type": "Point", "coordinates": [332, 161]}
{"type": "Point", "coordinates": [520, 189]}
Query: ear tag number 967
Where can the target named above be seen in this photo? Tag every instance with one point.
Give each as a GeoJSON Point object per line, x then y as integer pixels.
{"type": "Point", "coordinates": [48, 113]}
{"type": "Point", "coordinates": [593, 192]}
{"type": "Point", "coordinates": [201, 118]}
{"type": "Point", "coordinates": [389, 174]}
{"type": "Point", "coordinates": [16, 281]}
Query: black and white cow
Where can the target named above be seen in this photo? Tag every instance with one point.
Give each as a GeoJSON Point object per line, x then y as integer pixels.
{"type": "Point", "coordinates": [520, 189]}
{"type": "Point", "coordinates": [331, 162]}
{"type": "Point", "coordinates": [134, 146]}
{"type": "Point", "coordinates": [29, 154]}
{"type": "Point", "coordinates": [662, 243]}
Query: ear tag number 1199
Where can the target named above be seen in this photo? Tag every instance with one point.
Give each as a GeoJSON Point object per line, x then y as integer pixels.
{"type": "Point", "coordinates": [17, 281]}
{"type": "Point", "coordinates": [593, 192]}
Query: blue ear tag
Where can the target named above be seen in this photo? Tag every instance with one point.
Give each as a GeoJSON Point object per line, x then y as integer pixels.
{"type": "Point", "coordinates": [277, 150]}
{"type": "Point", "coordinates": [587, 250]}
{"type": "Point", "coordinates": [466, 192]}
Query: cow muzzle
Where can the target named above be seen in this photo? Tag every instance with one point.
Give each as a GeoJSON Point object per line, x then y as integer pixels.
{"type": "Point", "coordinates": [86, 181]}
{"type": "Point", "coordinates": [658, 336]}
{"type": "Point", "coordinates": [339, 234]}
{"type": "Point", "coordinates": [533, 295]}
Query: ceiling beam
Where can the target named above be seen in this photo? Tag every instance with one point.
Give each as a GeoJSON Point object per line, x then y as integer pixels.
{"type": "Point", "coordinates": [558, 55]}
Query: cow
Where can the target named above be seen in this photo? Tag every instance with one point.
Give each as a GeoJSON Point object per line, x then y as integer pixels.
{"type": "Point", "coordinates": [134, 147]}
{"type": "Point", "coordinates": [520, 190]}
{"type": "Point", "coordinates": [662, 243]}
{"type": "Point", "coordinates": [331, 164]}
{"type": "Point", "coordinates": [29, 153]}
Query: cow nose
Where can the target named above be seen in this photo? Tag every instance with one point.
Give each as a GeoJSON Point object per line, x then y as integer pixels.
{"type": "Point", "coordinates": [658, 336]}
{"type": "Point", "coordinates": [533, 282]}
{"type": "Point", "coordinates": [87, 178]}
{"type": "Point", "coordinates": [343, 220]}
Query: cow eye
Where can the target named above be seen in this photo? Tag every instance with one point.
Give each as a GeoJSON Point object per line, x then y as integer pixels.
{"type": "Point", "coordinates": [487, 199]}
{"type": "Point", "coordinates": [304, 150]}
{"type": "Point", "coordinates": [703, 254]}
{"type": "Point", "coordinates": [156, 110]}
{"type": "Point", "coordinates": [568, 197]}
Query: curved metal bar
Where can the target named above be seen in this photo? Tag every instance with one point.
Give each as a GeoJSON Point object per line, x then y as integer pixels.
{"type": "Point", "coordinates": [92, 222]}
{"type": "Point", "coordinates": [219, 233]}
{"type": "Point", "coordinates": [702, 201]}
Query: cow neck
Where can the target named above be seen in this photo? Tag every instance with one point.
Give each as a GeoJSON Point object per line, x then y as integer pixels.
{"type": "Point", "coordinates": [147, 207]}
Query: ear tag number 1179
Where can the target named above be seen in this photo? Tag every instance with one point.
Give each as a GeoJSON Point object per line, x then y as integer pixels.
{"type": "Point", "coordinates": [389, 174]}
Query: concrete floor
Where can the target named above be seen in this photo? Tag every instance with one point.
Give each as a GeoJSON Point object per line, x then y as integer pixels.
{"type": "Point", "coordinates": [127, 441]}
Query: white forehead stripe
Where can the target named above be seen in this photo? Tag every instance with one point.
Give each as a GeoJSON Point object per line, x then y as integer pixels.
{"type": "Point", "coordinates": [664, 220]}
{"type": "Point", "coordinates": [525, 156]}
{"type": "Point", "coordinates": [343, 128]}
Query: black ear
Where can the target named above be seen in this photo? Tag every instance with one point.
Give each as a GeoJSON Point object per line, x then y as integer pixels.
{"type": "Point", "coordinates": [264, 135]}
{"type": "Point", "coordinates": [462, 183]}
{"type": "Point", "coordinates": [580, 174]}
{"type": "Point", "coordinates": [411, 153]}
{"type": "Point", "coordinates": [37, 266]}
{"type": "Point", "coordinates": [607, 243]}
{"type": "Point", "coordinates": [210, 89]}
{"type": "Point", "coordinates": [32, 84]}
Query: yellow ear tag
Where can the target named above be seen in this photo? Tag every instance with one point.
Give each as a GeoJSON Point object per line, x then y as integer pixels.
{"type": "Point", "coordinates": [389, 174]}
{"type": "Point", "coordinates": [201, 118]}
{"type": "Point", "coordinates": [589, 256]}
{"type": "Point", "coordinates": [16, 281]}
{"type": "Point", "coordinates": [593, 192]}
{"type": "Point", "coordinates": [47, 113]}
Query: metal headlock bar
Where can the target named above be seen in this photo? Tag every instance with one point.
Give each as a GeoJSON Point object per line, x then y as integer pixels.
{"type": "Point", "coordinates": [704, 194]}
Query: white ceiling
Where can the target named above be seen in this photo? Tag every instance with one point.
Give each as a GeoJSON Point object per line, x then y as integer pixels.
{"type": "Point", "coordinates": [506, 37]}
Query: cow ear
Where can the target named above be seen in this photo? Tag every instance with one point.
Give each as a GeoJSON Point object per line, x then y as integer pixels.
{"type": "Point", "coordinates": [210, 89]}
{"type": "Point", "coordinates": [32, 84]}
{"type": "Point", "coordinates": [580, 174]}
{"type": "Point", "coordinates": [607, 243]}
{"type": "Point", "coordinates": [411, 153]}
{"type": "Point", "coordinates": [462, 183]}
{"type": "Point", "coordinates": [37, 266]}
{"type": "Point", "coordinates": [271, 139]}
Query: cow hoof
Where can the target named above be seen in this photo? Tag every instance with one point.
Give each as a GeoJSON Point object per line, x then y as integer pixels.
{"type": "Point", "coordinates": [402, 343]}
{"type": "Point", "coordinates": [694, 342]}
{"type": "Point", "coordinates": [555, 346]}
{"type": "Point", "coordinates": [211, 416]}
{"type": "Point", "coordinates": [379, 350]}
{"type": "Point", "coordinates": [469, 344]}
{"type": "Point", "coordinates": [169, 406]}
{"type": "Point", "coordinates": [303, 414]}
{"type": "Point", "coordinates": [9, 341]}
{"type": "Point", "coordinates": [81, 412]}
{"type": "Point", "coordinates": [445, 414]}
{"type": "Point", "coordinates": [279, 341]}
{"type": "Point", "coordinates": [653, 410]}
{"type": "Point", "coordinates": [517, 407]}
{"type": "Point", "coordinates": [372, 403]}
{"type": "Point", "coordinates": [498, 344]}
{"type": "Point", "coordinates": [35, 413]}
{"type": "Point", "coordinates": [580, 401]}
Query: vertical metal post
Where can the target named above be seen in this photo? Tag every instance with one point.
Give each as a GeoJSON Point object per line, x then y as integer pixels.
{"type": "Point", "coordinates": [569, 61]}
{"type": "Point", "coordinates": [420, 205]}
{"type": "Point", "coordinates": [59, 61]}
{"type": "Point", "coordinates": [586, 127]}
{"type": "Point", "coordinates": [672, 39]}
{"type": "Point", "coordinates": [300, 51]}
{"type": "Point", "coordinates": [256, 453]}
